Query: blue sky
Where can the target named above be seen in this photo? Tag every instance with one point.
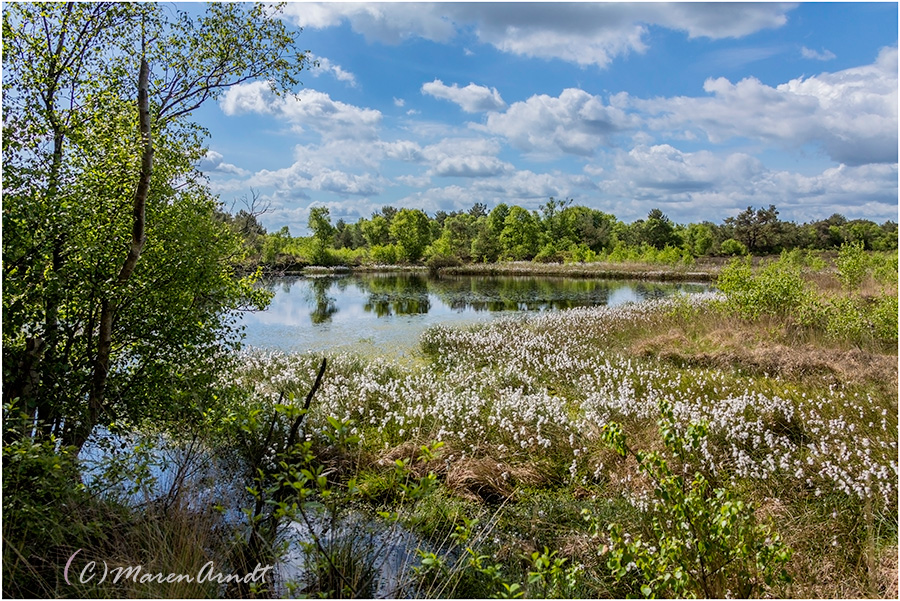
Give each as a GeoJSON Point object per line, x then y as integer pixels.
{"type": "Point", "coordinates": [697, 109]}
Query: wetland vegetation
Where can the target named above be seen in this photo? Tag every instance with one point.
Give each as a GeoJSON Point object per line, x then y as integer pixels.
{"type": "Point", "coordinates": [738, 442]}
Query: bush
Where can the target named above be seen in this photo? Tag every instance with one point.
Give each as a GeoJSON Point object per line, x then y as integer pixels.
{"type": "Point", "coordinates": [581, 253]}
{"type": "Point", "coordinates": [439, 261]}
{"type": "Point", "coordinates": [41, 490]}
{"type": "Point", "coordinates": [384, 255]}
{"type": "Point", "coordinates": [549, 254]}
{"type": "Point", "coordinates": [884, 318]}
{"type": "Point", "coordinates": [852, 264]}
{"type": "Point", "coordinates": [732, 247]}
{"type": "Point", "coordinates": [702, 542]}
{"type": "Point", "coordinates": [778, 289]}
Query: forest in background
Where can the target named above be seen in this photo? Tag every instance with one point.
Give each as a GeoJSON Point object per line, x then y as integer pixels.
{"type": "Point", "coordinates": [559, 232]}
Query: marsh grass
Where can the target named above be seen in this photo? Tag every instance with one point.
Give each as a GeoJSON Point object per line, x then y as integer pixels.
{"type": "Point", "coordinates": [801, 427]}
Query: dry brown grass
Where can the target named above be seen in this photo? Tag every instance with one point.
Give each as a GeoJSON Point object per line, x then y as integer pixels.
{"type": "Point", "coordinates": [766, 346]}
{"type": "Point", "coordinates": [481, 478]}
{"type": "Point", "coordinates": [887, 573]}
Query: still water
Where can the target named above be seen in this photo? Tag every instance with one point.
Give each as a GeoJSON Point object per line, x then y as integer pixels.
{"type": "Point", "coordinates": [385, 313]}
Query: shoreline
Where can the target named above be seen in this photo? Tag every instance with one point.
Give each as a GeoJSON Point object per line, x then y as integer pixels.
{"type": "Point", "coordinates": [619, 271]}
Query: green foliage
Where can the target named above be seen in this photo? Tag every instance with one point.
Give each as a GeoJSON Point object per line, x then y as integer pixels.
{"type": "Point", "coordinates": [732, 247]}
{"type": "Point", "coordinates": [853, 265]}
{"type": "Point", "coordinates": [883, 317]}
{"type": "Point", "coordinates": [645, 253]}
{"type": "Point", "coordinates": [521, 234]}
{"type": "Point", "coordinates": [384, 255]}
{"type": "Point", "coordinates": [657, 230]}
{"type": "Point", "coordinates": [778, 289]}
{"type": "Point", "coordinates": [40, 487]}
{"type": "Point", "coordinates": [698, 239]}
{"type": "Point", "coordinates": [118, 273]}
{"type": "Point", "coordinates": [411, 231]}
{"type": "Point", "coordinates": [550, 578]}
{"type": "Point", "coordinates": [702, 542]}
{"type": "Point", "coordinates": [580, 253]}
{"type": "Point", "coordinates": [759, 231]}
{"type": "Point", "coordinates": [320, 224]}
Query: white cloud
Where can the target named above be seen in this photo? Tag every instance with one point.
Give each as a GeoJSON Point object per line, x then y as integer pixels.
{"type": "Point", "coordinates": [252, 97]}
{"type": "Point", "coordinates": [850, 114]}
{"type": "Point", "coordinates": [403, 150]}
{"type": "Point", "coordinates": [214, 161]}
{"type": "Point", "coordinates": [825, 55]}
{"type": "Point", "coordinates": [383, 22]}
{"type": "Point", "coordinates": [694, 186]}
{"type": "Point", "coordinates": [306, 109]}
{"type": "Point", "coordinates": [575, 122]}
{"type": "Point", "coordinates": [301, 178]}
{"type": "Point", "coordinates": [472, 98]}
{"type": "Point", "coordinates": [339, 73]}
{"type": "Point", "coordinates": [399, 102]}
{"type": "Point", "coordinates": [471, 166]}
{"type": "Point", "coordinates": [583, 33]}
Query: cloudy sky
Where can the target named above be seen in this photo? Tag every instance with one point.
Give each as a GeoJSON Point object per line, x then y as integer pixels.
{"type": "Point", "coordinates": [697, 109]}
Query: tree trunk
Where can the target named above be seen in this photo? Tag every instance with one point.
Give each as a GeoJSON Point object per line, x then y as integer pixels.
{"type": "Point", "coordinates": [108, 304]}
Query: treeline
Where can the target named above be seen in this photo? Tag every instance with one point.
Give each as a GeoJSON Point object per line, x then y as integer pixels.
{"type": "Point", "coordinates": [560, 232]}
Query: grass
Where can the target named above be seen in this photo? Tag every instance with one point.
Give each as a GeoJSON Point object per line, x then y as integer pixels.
{"type": "Point", "coordinates": [802, 427]}
{"type": "Point", "coordinates": [804, 434]}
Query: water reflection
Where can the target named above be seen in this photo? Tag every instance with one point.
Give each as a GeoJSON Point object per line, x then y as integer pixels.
{"type": "Point", "coordinates": [324, 306]}
{"type": "Point", "coordinates": [386, 313]}
{"type": "Point", "coordinates": [395, 295]}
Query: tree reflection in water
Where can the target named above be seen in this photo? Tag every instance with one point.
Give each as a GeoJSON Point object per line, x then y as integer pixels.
{"type": "Point", "coordinates": [324, 306]}
{"type": "Point", "coordinates": [387, 295]}
{"type": "Point", "coordinates": [396, 295]}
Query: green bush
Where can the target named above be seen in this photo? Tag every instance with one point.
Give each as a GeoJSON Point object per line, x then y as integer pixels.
{"type": "Point", "coordinates": [581, 253]}
{"type": "Point", "coordinates": [777, 289]}
{"type": "Point", "coordinates": [702, 542]}
{"type": "Point", "coordinates": [884, 267]}
{"type": "Point", "coordinates": [41, 492]}
{"type": "Point", "coordinates": [437, 262]}
{"type": "Point", "coordinates": [845, 320]}
{"type": "Point", "coordinates": [883, 316]}
{"type": "Point", "coordinates": [732, 247]}
{"type": "Point", "coordinates": [853, 265]}
{"type": "Point", "coordinates": [384, 255]}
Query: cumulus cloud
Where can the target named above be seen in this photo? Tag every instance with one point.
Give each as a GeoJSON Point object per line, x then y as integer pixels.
{"type": "Point", "coordinates": [385, 23]}
{"type": "Point", "coordinates": [214, 161]}
{"type": "Point", "coordinates": [850, 114]}
{"type": "Point", "coordinates": [339, 73]}
{"type": "Point", "coordinates": [302, 178]}
{"type": "Point", "coordinates": [472, 98]}
{"type": "Point", "coordinates": [471, 166]}
{"type": "Point", "coordinates": [825, 55]}
{"type": "Point", "coordinates": [306, 109]}
{"type": "Point", "coordinates": [689, 185]}
{"type": "Point", "coordinates": [575, 122]}
{"type": "Point", "coordinates": [583, 33]}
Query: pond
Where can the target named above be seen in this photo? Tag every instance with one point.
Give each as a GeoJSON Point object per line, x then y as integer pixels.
{"type": "Point", "coordinates": [386, 313]}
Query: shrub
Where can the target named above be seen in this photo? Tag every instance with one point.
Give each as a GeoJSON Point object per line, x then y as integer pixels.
{"type": "Point", "coordinates": [732, 247]}
{"type": "Point", "coordinates": [384, 255]}
{"type": "Point", "coordinates": [702, 542]}
{"type": "Point", "coordinates": [581, 253]}
{"type": "Point", "coordinates": [852, 264]}
{"type": "Point", "coordinates": [884, 318]}
{"type": "Point", "coordinates": [778, 289]}
{"type": "Point", "coordinates": [549, 254]}
{"type": "Point", "coordinates": [845, 320]}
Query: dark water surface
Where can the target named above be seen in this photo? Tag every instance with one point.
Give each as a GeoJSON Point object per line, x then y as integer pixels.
{"type": "Point", "coordinates": [385, 313]}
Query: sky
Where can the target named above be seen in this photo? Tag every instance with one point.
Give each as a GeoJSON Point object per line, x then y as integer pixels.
{"type": "Point", "coordinates": [700, 110]}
